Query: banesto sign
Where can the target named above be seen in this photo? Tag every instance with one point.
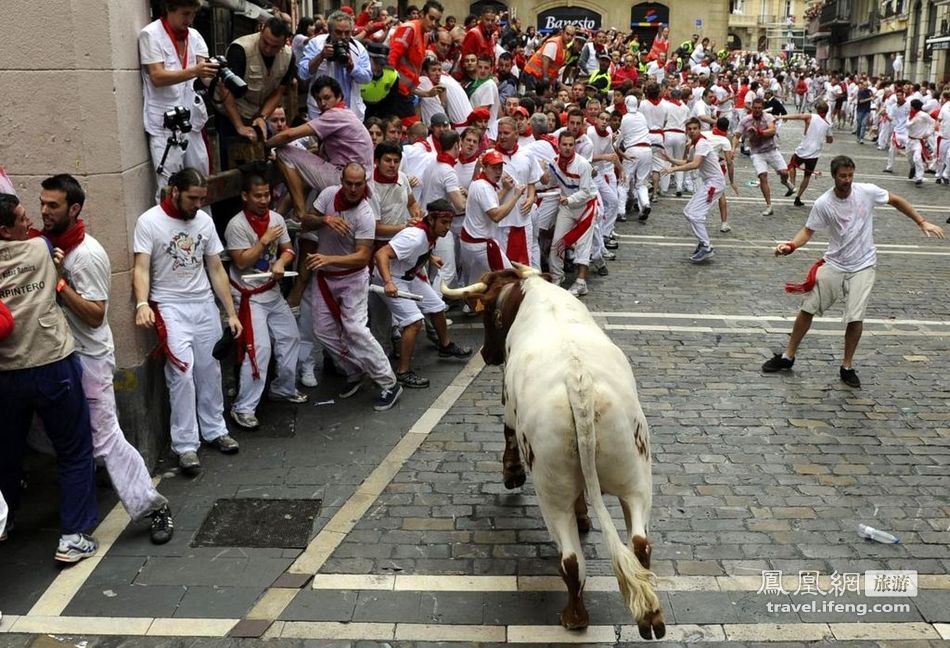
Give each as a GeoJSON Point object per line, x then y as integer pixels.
{"type": "Point", "coordinates": [559, 17]}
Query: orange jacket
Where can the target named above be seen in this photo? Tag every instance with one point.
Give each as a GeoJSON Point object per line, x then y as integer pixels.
{"type": "Point", "coordinates": [536, 66]}
{"type": "Point", "coordinates": [407, 51]}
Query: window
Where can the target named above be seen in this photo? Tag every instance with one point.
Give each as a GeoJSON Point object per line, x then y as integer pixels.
{"type": "Point", "coordinates": [737, 6]}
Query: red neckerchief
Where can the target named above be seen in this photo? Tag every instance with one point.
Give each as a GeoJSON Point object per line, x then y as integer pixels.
{"type": "Point", "coordinates": [258, 223]}
{"type": "Point", "coordinates": [602, 133]}
{"type": "Point", "coordinates": [563, 163]}
{"type": "Point", "coordinates": [169, 207]}
{"type": "Point", "coordinates": [655, 102]}
{"type": "Point", "coordinates": [913, 113]}
{"type": "Point", "coordinates": [550, 139]}
{"type": "Point", "coordinates": [717, 131]}
{"type": "Point", "coordinates": [177, 36]}
{"type": "Point", "coordinates": [675, 102]}
{"type": "Point", "coordinates": [528, 132]}
{"type": "Point", "coordinates": [425, 145]}
{"type": "Point", "coordinates": [620, 109]}
{"type": "Point", "coordinates": [424, 226]}
{"type": "Point", "coordinates": [65, 241]}
{"type": "Point", "coordinates": [468, 160]}
{"type": "Point", "coordinates": [436, 145]}
{"type": "Point", "coordinates": [379, 178]}
{"type": "Point", "coordinates": [446, 158]}
{"type": "Point", "coordinates": [508, 153]}
{"type": "Point", "coordinates": [341, 204]}
{"type": "Point", "coordinates": [482, 176]}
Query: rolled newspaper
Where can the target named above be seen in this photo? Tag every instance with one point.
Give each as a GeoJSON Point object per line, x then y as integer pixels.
{"type": "Point", "coordinates": [402, 294]}
{"type": "Point", "coordinates": [266, 275]}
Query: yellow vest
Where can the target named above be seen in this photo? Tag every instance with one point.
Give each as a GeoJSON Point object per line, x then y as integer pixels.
{"type": "Point", "coordinates": [377, 89]}
{"type": "Point", "coordinates": [261, 82]}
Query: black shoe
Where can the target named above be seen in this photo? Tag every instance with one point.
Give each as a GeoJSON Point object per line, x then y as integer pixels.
{"type": "Point", "coordinates": [602, 271]}
{"type": "Point", "coordinates": [798, 202]}
{"type": "Point", "coordinates": [887, 170]}
{"type": "Point", "coordinates": [849, 377]}
{"type": "Point", "coordinates": [645, 214]}
{"type": "Point", "coordinates": [679, 194]}
{"type": "Point", "coordinates": [351, 388]}
{"type": "Point", "coordinates": [930, 171]}
{"type": "Point", "coordinates": [411, 380]}
{"type": "Point", "coordinates": [777, 363]}
{"type": "Point", "coordinates": [569, 267]}
{"type": "Point", "coordinates": [910, 174]}
{"type": "Point", "coordinates": [789, 191]}
{"type": "Point", "coordinates": [621, 218]}
{"type": "Point", "coordinates": [452, 350]}
{"type": "Point", "coordinates": [162, 526]}
{"type": "Point", "coordinates": [611, 245]}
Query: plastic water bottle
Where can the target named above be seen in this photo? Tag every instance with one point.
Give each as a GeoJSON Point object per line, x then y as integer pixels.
{"type": "Point", "coordinates": [871, 533]}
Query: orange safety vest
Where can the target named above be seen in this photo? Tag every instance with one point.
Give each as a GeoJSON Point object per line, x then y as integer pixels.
{"type": "Point", "coordinates": [536, 66]}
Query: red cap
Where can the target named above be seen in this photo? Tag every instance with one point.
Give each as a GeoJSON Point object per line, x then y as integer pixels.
{"type": "Point", "coordinates": [522, 110]}
{"type": "Point", "coordinates": [6, 321]}
{"type": "Point", "coordinates": [478, 113]}
{"type": "Point", "coordinates": [492, 157]}
{"type": "Point", "coordinates": [347, 9]}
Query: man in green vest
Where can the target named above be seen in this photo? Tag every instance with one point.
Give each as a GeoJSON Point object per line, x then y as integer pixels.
{"type": "Point", "coordinates": [382, 84]}
{"type": "Point", "coordinates": [601, 78]}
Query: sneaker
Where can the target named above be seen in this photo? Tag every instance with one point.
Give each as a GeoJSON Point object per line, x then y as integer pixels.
{"type": "Point", "coordinates": [777, 363]}
{"type": "Point", "coordinates": [919, 182]}
{"type": "Point", "coordinates": [411, 380]}
{"type": "Point", "coordinates": [611, 244]}
{"type": "Point", "coordinates": [768, 211]}
{"type": "Point", "coordinates": [849, 377]}
{"type": "Point", "coordinates": [679, 194]}
{"type": "Point", "coordinates": [246, 421]}
{"type": "Point", "coordinates": [602, 271]}
{"type": "Point", "coordinates": [308, 378]}
{"type": "Point", "coordinates": [351, 388]}
{"type": "Point", "coordinates": [189, 464]}
{"type": "Point", "coordinates": [725, 227]}
{"type": "Point", "coordinates": [579, 289]}
{"type": "Point", "coordinates": [452, 350]}
{"type": "Point", "coordinates": [645, 214]}
{"type": "Point", "coordinates": [610, 256]}
{"type": "Point", "coordinates": [162, 526]}
{"type": "Point", "coordinates": [612, 236]}
{"type": "Point", "coordinates": [860, 141]}
{"type": "Point", "coordinates": [225, 444]}
{"type": "Point", "coordinates": [798, 202]}
{"type": "Point", "coordinates": [621, 218]}
{"type": "Point", "coordinates": [887, 170]}
{"type": "Point", "coordinates": [789, 191]}
{"type": "Point", "coordinates": [297, 397]}
{"type": "Point", "coordinates": [75, 547]}
{"type": "Point", "coordinates": [703, 254]}
{"type": "Point", "coordinates": [387, 398]}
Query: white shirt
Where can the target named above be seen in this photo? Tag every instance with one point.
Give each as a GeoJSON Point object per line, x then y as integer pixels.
{"type": "Point", "coordinates": [655, 115]}
{"type": "Point", "coordinates": [814, 138]}
{"type": "Point", "coordinates": [634, 129]}
{"type": "Point", "coordinates": [542, 153]}
{"type": "Point", "coordinates": [601, 146]}
{"type": "Point", "coordinates": [439, 182]}
{"type": "Point", "coordinates": [178, 249]}
{"type": "Point", "coordinates": [709, 170]}
{"type": "Point", "coordinates": [482, 196]}
{"type": "Point", "coordinates": [239, 235]}
{"type": "Point", "coordinates": [944, 117]}
{"type": "Point", "coordinates": [416, 160]}
{"type": "Point", "coordinates": [155, 46]}
{"type": "Point", "coordinates": [361, 219]}
{"type": "Point", "coordinates": [457, 106]}
{"type": "Point", "coordinates": [87, 269]}
{"type": "Point", "coordinates": [676, 115]}
{"type": "Point", "coordinates": [702, 109]}
{"type": "Point", "coordinates": [850, 228]}
{"type": "Point", "coordinates": [657, 71]}
{"type": "Point", "coordinates": [412, 249]}
{"type": "Point", "coordinates": [390, 201]}
{"type": "Point", "coordinates": [921, 126]}
{"type": "Point", "coordinates": [487, 95]}
{"type": "Point", "coordinates": [899, 116]}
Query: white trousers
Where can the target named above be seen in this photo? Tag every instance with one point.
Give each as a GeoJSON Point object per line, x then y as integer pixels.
{"type": "Point", "coordinates": [892, 147]}
{"type": "Point", "coordinates": [606, 184]}
{"type": "Point", "coordinates": [195, 156]}
{"type": "Point", "coordinates": [406, 311]}
{"type": "Point", "coordinates": [448, 273]}
{"type": "Point", "coordinates": [915, 157]}
{"type": "Point", "coordinates": [698, 207]}
{"type": "Point", "coordinates": [306, 352]}
{"type": "Point", "coordinates": [885, 130]}
{"type": "Point", "coordinates": [475, 261]}
{"type": "Point", "coordinates": [275, 331]}
{"type": "Point", "coordinates": [350, 343]}
{"type": "Point", "coordinates": [125, 465]}
{"type": "Point", "coordinates": [637, 166]}
{"type": "Point", "coordinates": [567, 218]}
{"type": "Point", "coordinates": [942, 157]}
{"type": "Point", "coordinates": [197, 402]}
{"type": "Point", "coordinates": [676, 148]}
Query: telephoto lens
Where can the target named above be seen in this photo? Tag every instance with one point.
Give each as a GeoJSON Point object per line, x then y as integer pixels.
{"type": "Point", "coordinates": [235, 84]}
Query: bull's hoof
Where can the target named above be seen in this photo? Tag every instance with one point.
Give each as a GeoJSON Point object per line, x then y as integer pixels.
{"type": "Point", "coordinates": [575, 618]}
{"type": "Point", "coordinates": [652, 625]}
{"type": "Point", "coordinates": [514, 476]}
{"type": "Point", "coordinates": [583, 523]}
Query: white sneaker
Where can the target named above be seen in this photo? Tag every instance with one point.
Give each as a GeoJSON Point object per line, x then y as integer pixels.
{"type": "Point", "coordinates": [768, 211]}
{"type": "Point", "coordinates": [725, 227]}
{"type": "Point", "coordinates": [308, 378]}
{"type": "Point", "coordinates": [579, 289]}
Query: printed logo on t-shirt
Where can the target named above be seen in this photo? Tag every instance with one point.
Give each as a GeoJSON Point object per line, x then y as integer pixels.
{"type": "Point", "coordinates": [270, 255]}
{"type": "Point", "coordinates": [185, 250]}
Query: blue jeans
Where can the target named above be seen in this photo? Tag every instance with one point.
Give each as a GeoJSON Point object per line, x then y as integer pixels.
{"type": "Point", "coordinates": [861, 117]}
{"type": "Point", "coordinates": [54, 392]}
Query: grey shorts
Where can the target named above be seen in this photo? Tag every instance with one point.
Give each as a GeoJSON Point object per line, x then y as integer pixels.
{"type": "Point", "coordinates": [834, 285]}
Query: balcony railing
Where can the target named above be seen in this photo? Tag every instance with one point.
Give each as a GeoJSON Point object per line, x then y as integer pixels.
{"type": "Point", "coordinates": [835, 12]}
{"type": "Point", "coordinates": [743, 20]}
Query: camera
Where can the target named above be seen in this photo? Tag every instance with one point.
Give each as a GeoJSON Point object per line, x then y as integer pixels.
{"type": "Point", "coordinates": [177, 119]}
{"type": "Point", "coordinates": [235, 84]}
{"type": "Point", "coordinates": [341, 52]}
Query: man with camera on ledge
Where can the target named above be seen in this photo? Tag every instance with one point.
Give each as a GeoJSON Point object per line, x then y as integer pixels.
{"type": "Point", "coordinates": [174, 58]}
{"type": "Point", "coordinates": [337, 55]}
{"type": "Point", "coordinates": [266, 63]}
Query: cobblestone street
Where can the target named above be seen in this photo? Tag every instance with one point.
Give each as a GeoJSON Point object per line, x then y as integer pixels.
{"type": "Point", "coordinates": [418, 542]}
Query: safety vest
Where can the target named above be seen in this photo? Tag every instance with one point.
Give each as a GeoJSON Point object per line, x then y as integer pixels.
{"type": "Point", "coordinates": [603, 78]}
{"type": "Point", "coordinates": [536, 66]}
{"type": "Point", "coordinates": [378, 89]}
{"type": "Point", "coordinates": [261, 80]}
{"type": "Point", "coordinates": [407, 50]}
{"type": "Point", "coordinates": [687, 46]}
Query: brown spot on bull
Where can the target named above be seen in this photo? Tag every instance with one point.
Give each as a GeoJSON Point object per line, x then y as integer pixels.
{"type": "Point", "coordinates": [642, 550]}
{"type": "Point", "coordinates": [512, 471]}
{"type": "Point", "coordinates": [640, 441]}
{"type": "Point", "coordinates": [574, 616]}
{"type": "Point", "coordinates": [530, 452]}
{"type": "Point", "coordinates": [580, 514]}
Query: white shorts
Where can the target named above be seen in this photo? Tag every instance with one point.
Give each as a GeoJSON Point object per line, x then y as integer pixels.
{"type": "Point", "coordinates": [762, 161]}
{"type": "Point", "coordinates": [408, 311]}
{"type": "Point", "coordinates": [833, 285]}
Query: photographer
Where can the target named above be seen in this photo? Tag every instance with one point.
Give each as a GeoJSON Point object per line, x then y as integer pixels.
{"type": "Point", "coordinates": [266, 63]}
{"type": "Point", "coordinates": [174, 57]}
{"type": "Point", "coordinates": [340, 57]}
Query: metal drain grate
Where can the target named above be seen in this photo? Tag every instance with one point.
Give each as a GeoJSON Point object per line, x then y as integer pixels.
{"type": "Point", "coordinates": [260, 523]}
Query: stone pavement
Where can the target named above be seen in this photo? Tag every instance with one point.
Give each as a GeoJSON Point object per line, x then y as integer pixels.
{"type": "Point", "coordinates": [751, 472]}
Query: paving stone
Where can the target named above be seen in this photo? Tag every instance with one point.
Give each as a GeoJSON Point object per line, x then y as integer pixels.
{"type": "Point", "coordinates": [321, 605]}
{"type": "Point", "coordinates": [215, 602]}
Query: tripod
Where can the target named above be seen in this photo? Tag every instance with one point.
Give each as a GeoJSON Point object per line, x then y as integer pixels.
{"type": "Point", "coordinates": [173, 140]}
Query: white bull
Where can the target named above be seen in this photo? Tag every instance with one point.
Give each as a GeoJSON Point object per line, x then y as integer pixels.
{"type": "Point", "coordinates": [572, 412]}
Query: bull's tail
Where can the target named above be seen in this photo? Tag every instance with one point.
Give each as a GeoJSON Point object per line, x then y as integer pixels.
{"type": "Point", "coordinates": [635, 580]}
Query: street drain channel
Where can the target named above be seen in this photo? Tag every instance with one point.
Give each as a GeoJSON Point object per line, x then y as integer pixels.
{"type": "Point", "coordinates": [259, 523]}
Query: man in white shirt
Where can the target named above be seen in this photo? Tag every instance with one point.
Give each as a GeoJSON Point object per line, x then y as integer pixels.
{"type": "Point", "coordinates": [634, 147]}
{"type": "Point", "coordinates": [417, 156]}
{"type": "Point", "coordinates": [920, 127]}
{"type": "Point", "coordinates": [485, 94]}
{"type": "Point", "coordinates": [176, 266]}
{"type": "Point", "coordinates": [452, 101]}
{"type": "Point", "coordinates": [656, 69]}
{"type": "Point", "coordinates": [85, 298]}
{"type": "Point", "coordinates": [943, 140]}
{"type": "Point", "coordinates": [898, 112]}
{"type": "Point", "coordinates": [516, 230]}
{"type": "Point", "coordinates": [846, 271]}
{"type": "Point", "coordinates": [575, 218]}
{"type": "Point", "coordinates": [442, 181]}
{"type": "Point", "coordinates": [258, 244]}
{"type": "Point", "coordinates": [817, 134]}
{"type": "Point", "coordinates": [173, 56]}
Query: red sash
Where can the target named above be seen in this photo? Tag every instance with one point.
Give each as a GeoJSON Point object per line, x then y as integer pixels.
{"type": "Point", "coordinates": [246, 339]}
{"type": "Point", "coordinates": [162, 347]}
{"type": "Point", "coordinates": [325, 289]}
{"type": "Point", "coordinates": [580, 228]}
{"type": "Point", "coordinates": [495, 262]}
{"type": "Point", "coordinates": [517, 248]}
{"type": "Point", "coordinates": [809, 280]}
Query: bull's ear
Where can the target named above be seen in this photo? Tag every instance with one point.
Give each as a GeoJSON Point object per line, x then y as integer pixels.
{"type": "Point", "coordinates": [476, 303]}
{"type": "Point", "coordinates": [547, 277]}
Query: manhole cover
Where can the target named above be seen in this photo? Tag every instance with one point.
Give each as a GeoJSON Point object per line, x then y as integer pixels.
{"type": "Point", "coordinates": [278, 523]}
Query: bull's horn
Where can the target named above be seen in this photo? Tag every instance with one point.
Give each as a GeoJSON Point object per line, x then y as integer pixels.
{"type": "Point", "coordinates": [526, 271]}
{"type": "Point", "coordinates": [459, 293]}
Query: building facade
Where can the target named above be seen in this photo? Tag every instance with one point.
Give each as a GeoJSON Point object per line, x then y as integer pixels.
{"type": "Point", "coordinates": [770, 26]}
